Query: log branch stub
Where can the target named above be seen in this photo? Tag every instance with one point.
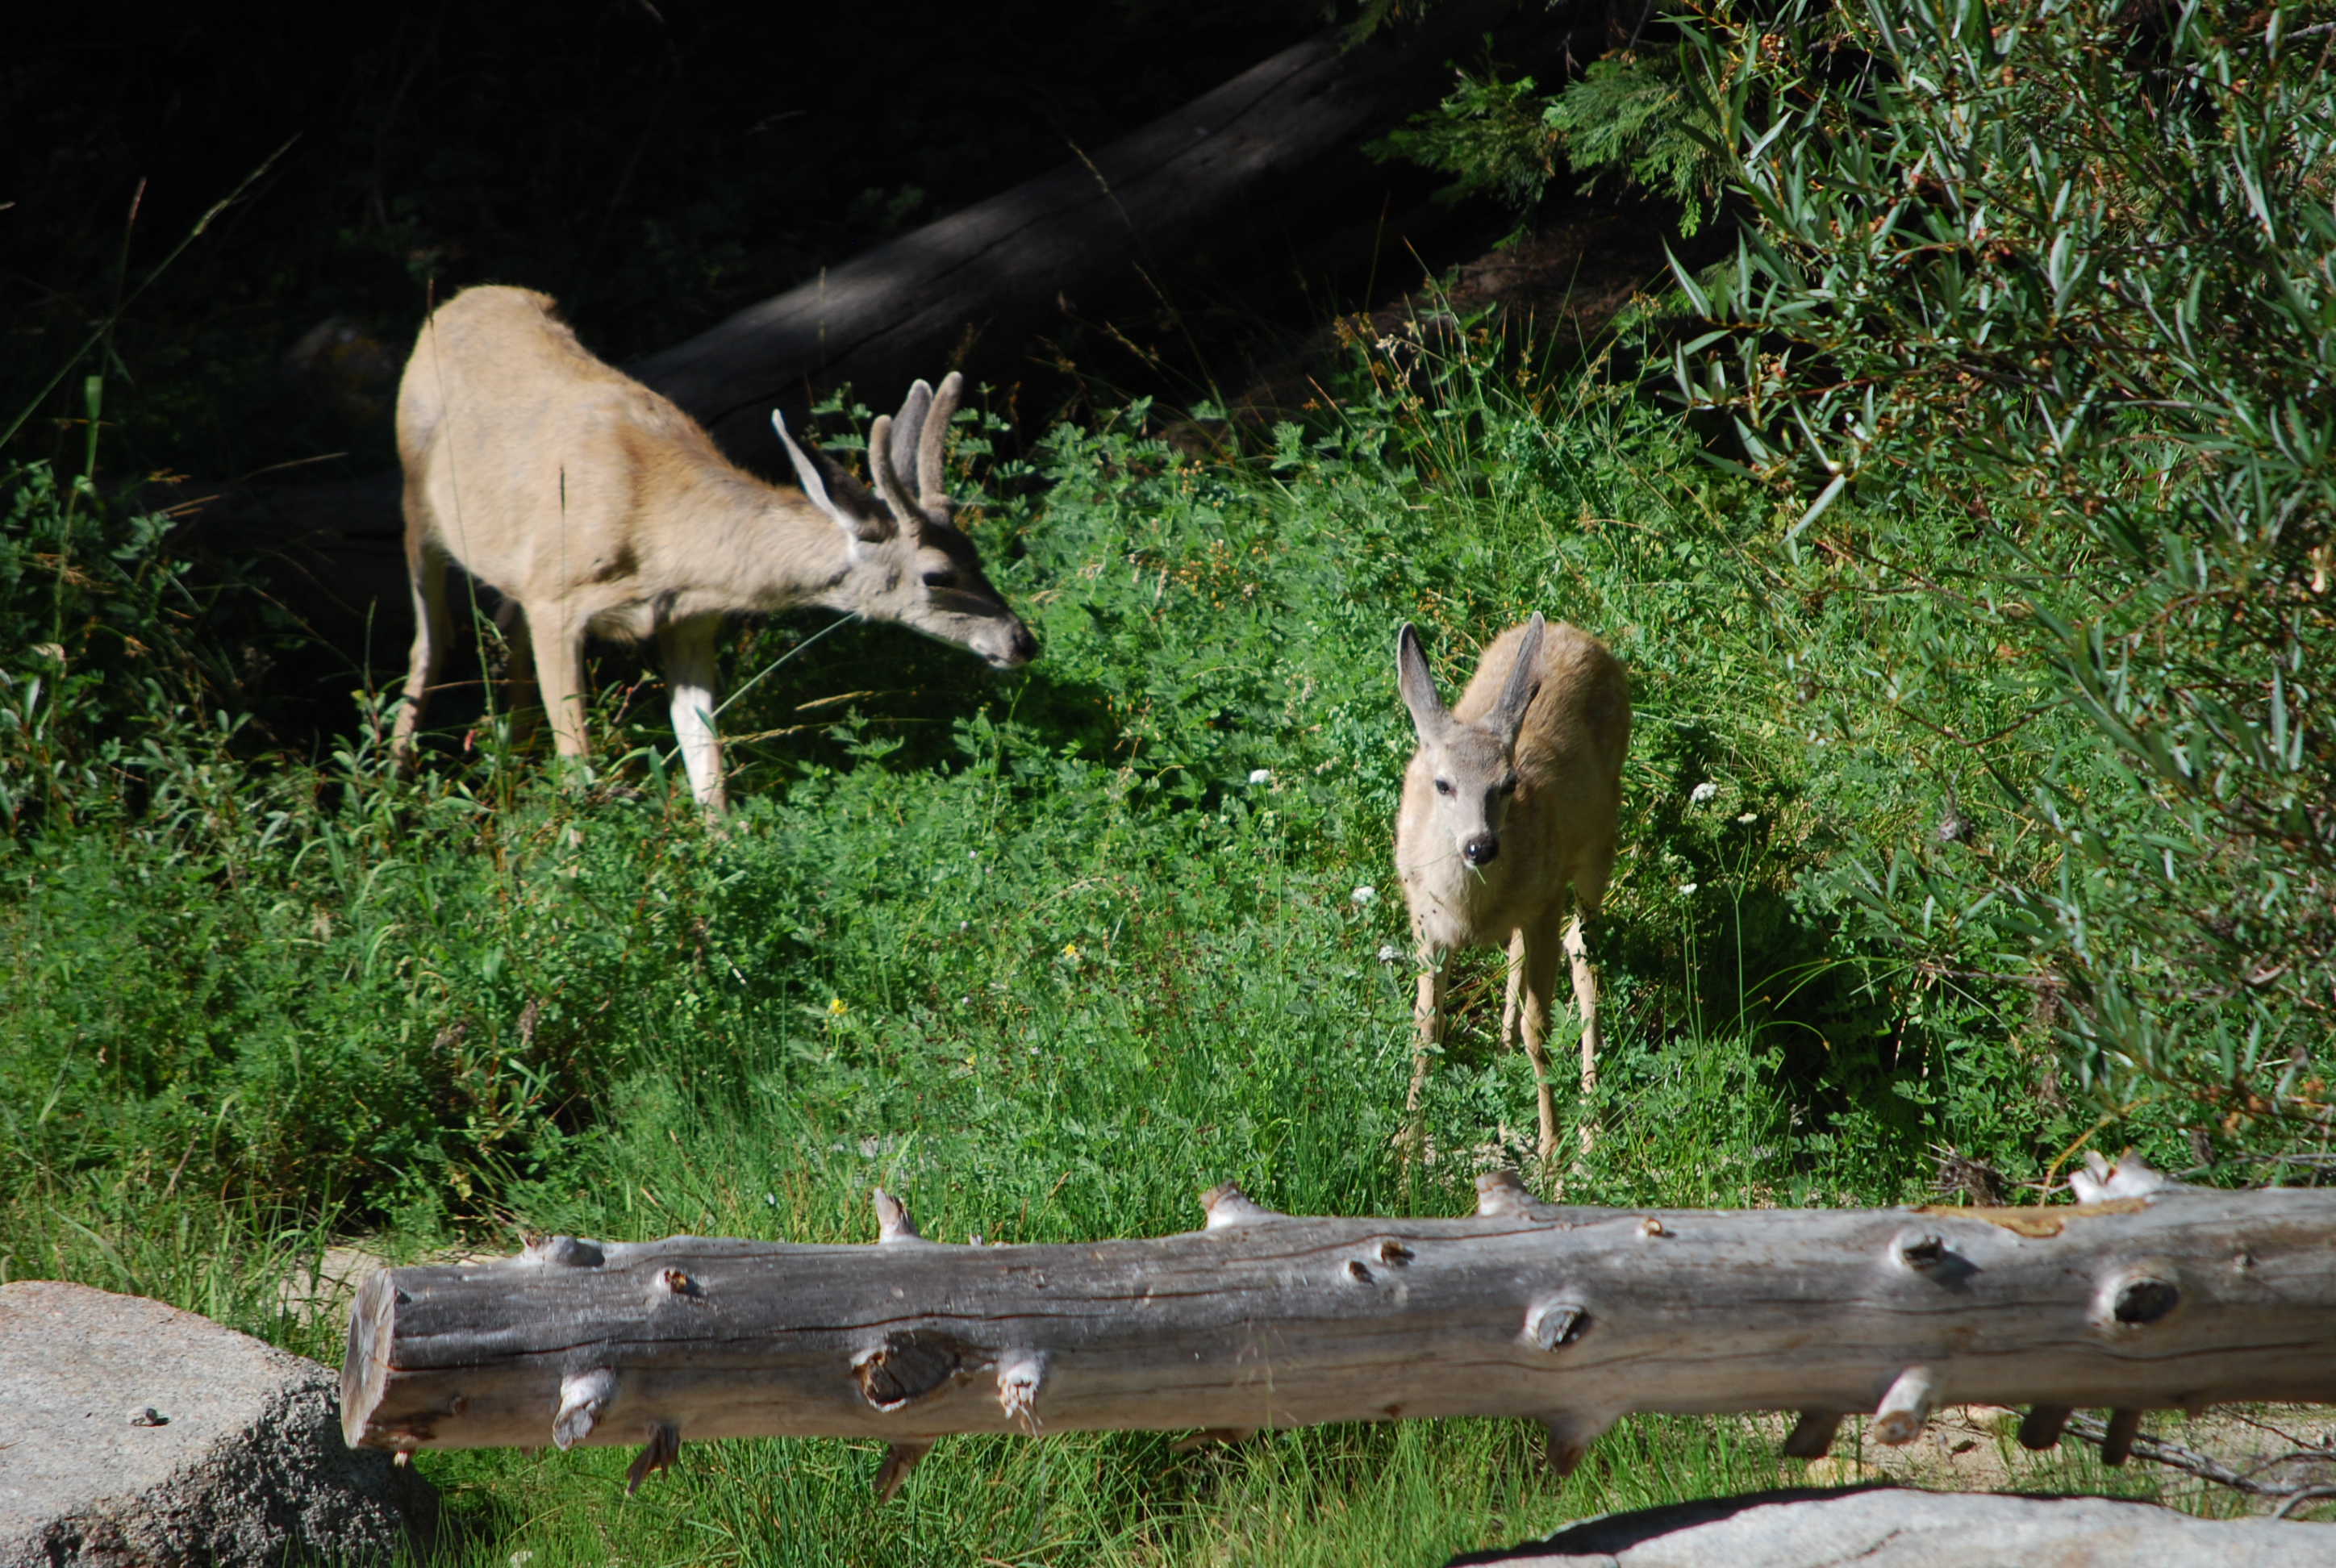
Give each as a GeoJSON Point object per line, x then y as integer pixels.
{"type": "Point", "coordinates": [1259, 1322]}
{"type": "Point", "coordinates": [2116, 1442]}
{"type": "Point", "coordinates": [1570, 1434]}
{"type": "Point", "coordinates": [1226, 1205]}
{"type": "Point", "coordinates": [559, 1251]}
{"type": "Point", "coordinates": [1021, 1376]}
{"type": "Point", "coordinates": [892, 1222]}
{"type": "Point", "coordinates": [1552, 1325]}
{"type": "Point", "coordinates": [2040, 1429]}
{"type": "Point", "coordinates": [1906, 1409]}
{"type": "Point", "coordinates": [900, 1458]}
{"type": "Point", "coordinates": [1812, 1436]}
{"type": "Point", "coordinates": [1502, 1195]}
{"type": "Point", "coordinates": [663, 1447]}
{"type": "Point", "coordinates": [583, 1397]}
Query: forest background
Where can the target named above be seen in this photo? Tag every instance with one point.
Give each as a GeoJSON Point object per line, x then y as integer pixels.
{"type": "Point", "coordinates": [1965, 531]}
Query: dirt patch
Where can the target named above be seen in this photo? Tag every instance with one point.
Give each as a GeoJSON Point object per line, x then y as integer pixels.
{"type": "Point", "coordinates": [1976, 1448]}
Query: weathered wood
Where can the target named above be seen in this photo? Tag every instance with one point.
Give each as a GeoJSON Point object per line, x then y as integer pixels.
{"type": "Point", "coordinates": [2181, 1297]}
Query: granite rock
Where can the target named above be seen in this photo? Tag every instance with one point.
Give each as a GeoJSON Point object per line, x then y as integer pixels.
{"type": "Point", "coordinates": [1899, 1527]}
{"type": "Point", "coordinates": [133, 1433]}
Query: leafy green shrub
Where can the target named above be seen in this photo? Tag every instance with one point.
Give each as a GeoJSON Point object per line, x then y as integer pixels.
{"type": "Point", "coordinates": [2047, 300]}
{"type": "Point", "coordinates": [93, 646]}
{"type": "Point", "coordinates": [1629, 115]}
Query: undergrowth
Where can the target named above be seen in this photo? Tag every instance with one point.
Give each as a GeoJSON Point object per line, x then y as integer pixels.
{"type": "Point", "coordinates": [1048, 954]}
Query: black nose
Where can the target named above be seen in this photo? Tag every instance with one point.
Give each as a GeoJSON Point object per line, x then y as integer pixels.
{"type": "Point", "coordinates": [1025, 647]}
{"type": "Point", "coordinates": [1482, 850]}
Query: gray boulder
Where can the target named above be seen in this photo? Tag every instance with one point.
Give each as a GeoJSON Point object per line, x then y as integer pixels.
{"type": "Point", "coordinates": [1897, 1527]}
{"type": "Point", "coordinates": [131, 1433]}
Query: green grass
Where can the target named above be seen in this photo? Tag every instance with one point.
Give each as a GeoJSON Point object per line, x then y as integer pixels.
{"type": "Point", "coordinates": [1035, 952]}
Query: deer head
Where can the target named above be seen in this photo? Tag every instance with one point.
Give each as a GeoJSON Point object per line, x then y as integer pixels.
{"type": "Point", "coordinates": [1470, 768]}
{"type": "Point", "coordinates": [909, 561]}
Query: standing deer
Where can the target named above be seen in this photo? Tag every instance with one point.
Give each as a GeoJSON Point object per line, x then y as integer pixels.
{"type": "Point", "coordinates": [595, 505]}
{"type": "Point", "coordinates": [1512, 796]}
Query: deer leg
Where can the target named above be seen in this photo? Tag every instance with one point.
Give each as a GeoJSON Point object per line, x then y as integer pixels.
{"type": "Point", "coordinates": [433, 629]}
{"type": "Point", "coordinates": [1585, 1002]}
{"type": "Point", "coordinates": [690, 667]}
{"type": "Point", "coordinates": [1517, 984]}
{"type": "Point", "coordinates": [1534, 975]}
{"type": "Point", "coordinates": [560, 667]}
{"type": "Point", "coordinates": [1427, 1017]}
{"type": "Point", "coordinates": [520, 694]}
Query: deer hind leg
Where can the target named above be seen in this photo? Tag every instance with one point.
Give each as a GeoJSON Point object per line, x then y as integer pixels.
{"type": "Point", "coordinates": [690, 669]}
{"type": "Point", "coordinates": [521, 697]}
{"type": "Point", "coordinates": [433, 629]}
{"type": "Point", "coordinates": [1533, 977]}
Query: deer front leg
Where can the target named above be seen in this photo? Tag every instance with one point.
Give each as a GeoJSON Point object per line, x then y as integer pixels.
{"type": "Point", "coordinates": [690, 668]}
{"type": "Point", "coordinates": [520, 694]}
{"type": "Point", "coordinates": [1533, 974]}
{"type": "Point", "coordinates": [433, 629]}
{"type": "Point", "coordinates": [559, 668]}
{"type": "Point", "coordinates": [1427, 1018]}
{"type": "Point", "coordinates": [1517, 984]}
{"type": "Point", "coordinates": [1585, 1002]}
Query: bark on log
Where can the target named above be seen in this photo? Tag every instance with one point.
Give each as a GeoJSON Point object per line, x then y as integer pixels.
{"type": "Point", "coordinates": [2176, 1297]}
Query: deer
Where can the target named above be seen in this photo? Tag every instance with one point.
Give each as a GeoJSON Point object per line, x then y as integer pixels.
{"type": "Point", "coordinates": [595, 506]}
{"type": "Point", "coordinates": [1513, 797]}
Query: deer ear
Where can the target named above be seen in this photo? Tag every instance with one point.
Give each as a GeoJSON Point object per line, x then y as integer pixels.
{"type": "Point", "coordinates": [1524, 683]}
{"type": "Point", "coordinates": [1417, 686]}
{"type": "Point", "coordinates": [907, 430]}
{"type": "Point", "coordinates": [834, 491]}
{"type": "Point", "coordinates": [883, 467]}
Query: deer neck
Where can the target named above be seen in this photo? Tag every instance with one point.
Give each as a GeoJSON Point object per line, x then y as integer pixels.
{"type": "Point", "coordinates": [746, 545]}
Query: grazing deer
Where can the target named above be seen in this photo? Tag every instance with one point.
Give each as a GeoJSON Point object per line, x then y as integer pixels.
{"type": "Point", "coordinates": [1512, 796]}
{"type": "Point", "coordinates": [595, 505]}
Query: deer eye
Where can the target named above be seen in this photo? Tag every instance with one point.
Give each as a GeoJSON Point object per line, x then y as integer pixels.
{"type": "Point", "coordinates": [1444, 786]}
{"type": "Point", "coordinates": [941, 580]}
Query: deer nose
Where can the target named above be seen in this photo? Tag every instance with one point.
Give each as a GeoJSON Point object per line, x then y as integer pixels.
{"type": "Point", "coordinates": [1482, 850]}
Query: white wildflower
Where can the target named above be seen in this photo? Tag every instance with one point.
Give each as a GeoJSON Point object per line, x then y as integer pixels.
{"type": "Point", "coordinates": [1364, 895]}
{"type": "Point", "coordinates": [1749, 817]}
{"type": "Point", "coordinates": [1387, 954]}
{"type": "Point", "coordinates": [1258, 776]}
{"type": "Point", "coordinates": [1701, 792]}
{"type": "Point", "coordinates": [1687, 890]}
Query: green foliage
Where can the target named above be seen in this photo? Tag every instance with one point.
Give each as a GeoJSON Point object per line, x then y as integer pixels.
{"type": "Point", "coordinates": [2046, 302]}
{"type": "Point", "coordinates": [1492, 135]}
{"type": "Point", "coordinates": [1628, 114]}
{"type": "Point", "coordinates": [94, 658]}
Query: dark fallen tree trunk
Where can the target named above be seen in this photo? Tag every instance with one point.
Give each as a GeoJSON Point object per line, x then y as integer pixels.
{"type": "Point", "coordinates": [2177, 1296]}
{"type": "Point", "coordinates": [1243, 183]}
{"type": "Point", "coordinates": [1251, 185]}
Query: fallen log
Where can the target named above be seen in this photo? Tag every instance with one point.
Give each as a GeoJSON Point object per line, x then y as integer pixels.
{"type": "Point", "coordinates": [1251, 182]}
{"type": "Point", "coordinates": [2153, 1296]}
